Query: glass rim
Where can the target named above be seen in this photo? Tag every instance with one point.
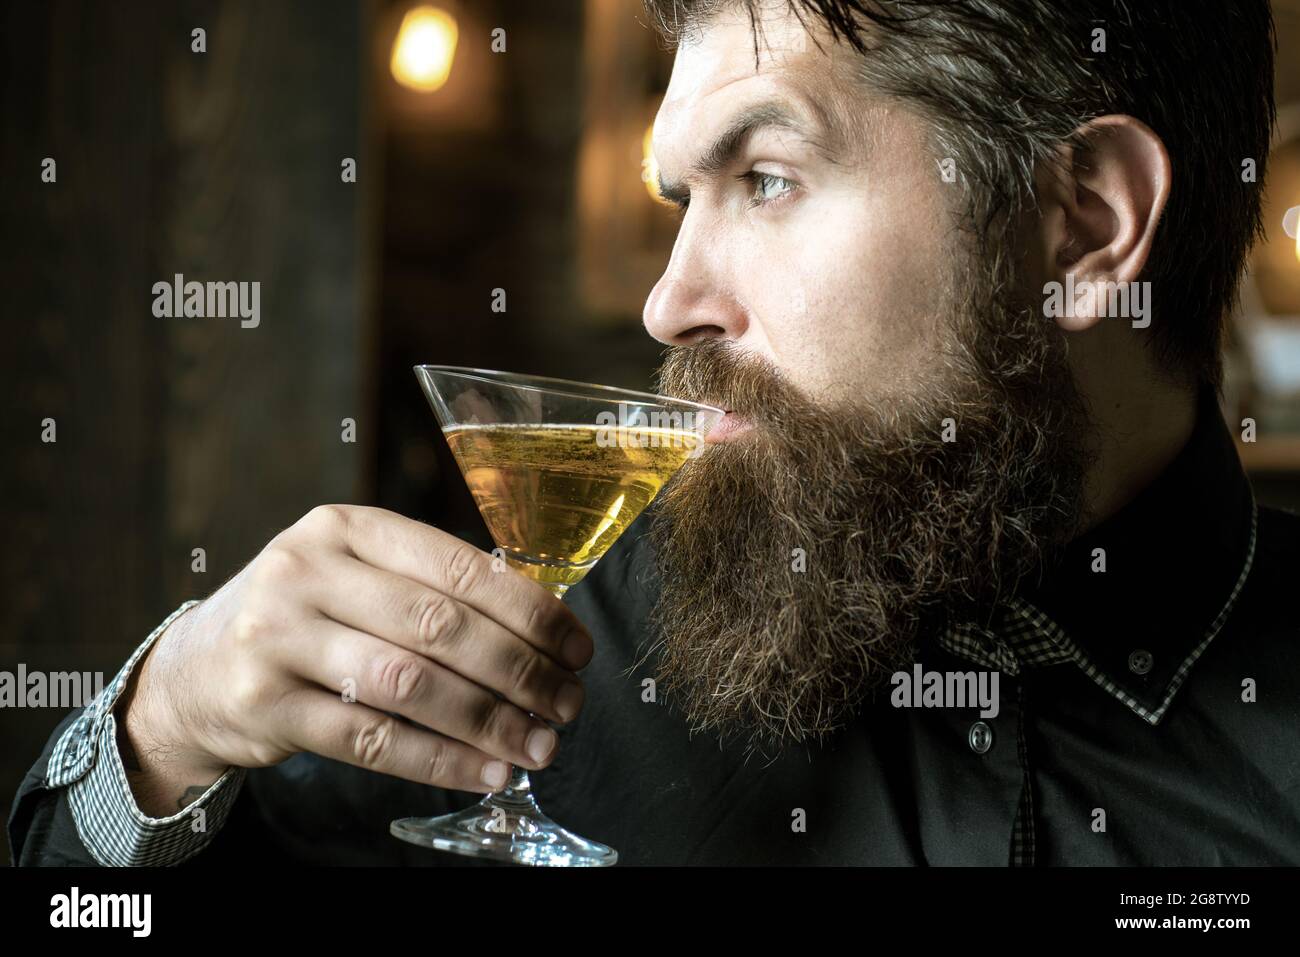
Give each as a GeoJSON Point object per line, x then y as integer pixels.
{"type": "Point", "coordinates": [549, 383]}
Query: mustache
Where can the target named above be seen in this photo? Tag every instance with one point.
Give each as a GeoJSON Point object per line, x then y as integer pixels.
{"type": "Point", "coordinates": [716, 373]}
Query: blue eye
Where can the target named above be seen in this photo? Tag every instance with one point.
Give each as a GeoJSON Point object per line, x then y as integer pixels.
{"type": "Point", "coordinates": [767, 188]}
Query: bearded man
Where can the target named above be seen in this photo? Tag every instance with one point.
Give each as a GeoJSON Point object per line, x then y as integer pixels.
{"type": "Point", "coordinates": [970, 572]}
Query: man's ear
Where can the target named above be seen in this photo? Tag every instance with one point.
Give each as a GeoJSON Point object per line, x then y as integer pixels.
{"type": "Point", "coordinates": [1099, 206]}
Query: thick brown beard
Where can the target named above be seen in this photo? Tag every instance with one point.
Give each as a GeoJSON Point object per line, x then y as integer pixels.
{"type": "Point", "coordinates": [901, 530]}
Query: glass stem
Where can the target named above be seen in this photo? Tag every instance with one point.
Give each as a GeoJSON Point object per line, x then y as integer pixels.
{"type": "Point", "coordinates": [519, 787]}
{"type": "Point", "coordinates": [515, 799]}
{"type": "Point", "coordinates": [517, 795]}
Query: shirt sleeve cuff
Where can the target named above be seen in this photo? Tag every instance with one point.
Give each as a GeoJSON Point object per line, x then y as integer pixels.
{"type": "Point", "coordinates": [74, 752]}
{"type": "Point", "coordinates": [118, 834]}
{"type": "Point", "coordinates": [109, 822]}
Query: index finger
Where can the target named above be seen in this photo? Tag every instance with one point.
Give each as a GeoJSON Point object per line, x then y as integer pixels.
{"type": "Point", "coordinates": [444, 563]}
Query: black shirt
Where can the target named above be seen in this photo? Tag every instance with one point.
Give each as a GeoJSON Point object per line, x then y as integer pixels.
{"type": "Point", "coordinates": [1148, 714]}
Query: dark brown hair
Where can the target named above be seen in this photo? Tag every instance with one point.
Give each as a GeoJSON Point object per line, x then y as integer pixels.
{"type": "Point", "coordinates": [1004, 82]}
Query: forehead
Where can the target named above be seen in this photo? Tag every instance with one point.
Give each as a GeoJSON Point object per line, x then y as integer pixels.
{"type": "Point", "coordinates": [716, 72]}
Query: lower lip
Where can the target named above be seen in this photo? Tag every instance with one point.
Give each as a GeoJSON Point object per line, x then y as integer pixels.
{"type": "Point", "coordinates": [728, 427]}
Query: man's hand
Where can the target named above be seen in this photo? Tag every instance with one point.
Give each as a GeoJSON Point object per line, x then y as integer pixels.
{"type": "Point", "coordinates": [357, 602]}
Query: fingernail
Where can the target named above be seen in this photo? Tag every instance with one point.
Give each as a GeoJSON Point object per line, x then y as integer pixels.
{"type": "Point", "coordinates": [540, 744]}
{"type": "Point", "coordinates": [576, 650]}
{"type": "Point", "coordinates": [495, 774]}
{"type": "Point", "coordinates": [568, 700]}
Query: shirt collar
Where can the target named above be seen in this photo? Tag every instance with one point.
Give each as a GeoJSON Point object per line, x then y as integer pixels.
{"type": "Point", "coordinates": [1175, 559]}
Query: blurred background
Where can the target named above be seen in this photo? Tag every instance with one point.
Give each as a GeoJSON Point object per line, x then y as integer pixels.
{"type": "Point", "coordinates": [499, 150]}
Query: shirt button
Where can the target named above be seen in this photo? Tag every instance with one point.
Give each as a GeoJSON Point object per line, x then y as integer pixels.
{"type": "Point", "coordinates": [980, 737]}
{"type": "Point", "coordinates": [1139, 662]}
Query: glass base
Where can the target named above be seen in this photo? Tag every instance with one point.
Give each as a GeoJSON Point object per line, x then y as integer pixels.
{"type": "Point", "coordinates": [506, 826]}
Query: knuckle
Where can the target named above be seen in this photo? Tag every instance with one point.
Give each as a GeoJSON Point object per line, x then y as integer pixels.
{"type": "Point", "coordinates": [248, 630]}
{"type": "Point", "coordinates": [438, 765]}
{"type": "Point", "coordinates": [524, 673]}
{"type": "Point", "coordinates": [542, 619]}
{"type": "Point", "coordinates": [271, 746]}
{"type": "Point", "coordinates": [462, 568]}
{"type": "Point", "coordinates": [436, 620]}
{"type": "Point", "coordinates": [401, 679]}
{"type": "Point", "coordinates": [372, 742]}
{"type": "Point", "coordinates": [327, 517]}
{"type": "Point", "coordinates": [261, 755]}
{"type": "Point", "coordinates": [248, 693]}
{"type": "Point", "coordinates": [492, 721]}
{"type": "Point", "coordinates": [280, 564]}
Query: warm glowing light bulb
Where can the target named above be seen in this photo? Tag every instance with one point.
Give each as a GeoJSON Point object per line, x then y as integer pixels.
{"type": "Point", "coordinates": [1291, 226]}
{"type": "Point", "coordinates": [424, 49]}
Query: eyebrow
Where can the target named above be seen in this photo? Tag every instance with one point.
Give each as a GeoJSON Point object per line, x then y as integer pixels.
{"type": "Point", "coordinates": [770, 114]}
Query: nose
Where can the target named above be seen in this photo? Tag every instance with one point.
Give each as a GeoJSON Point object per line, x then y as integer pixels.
{"type": "Point", "coordinates": [694, 298]}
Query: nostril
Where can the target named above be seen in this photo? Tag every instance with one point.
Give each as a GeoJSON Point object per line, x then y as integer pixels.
{"type": "Point", "coordinates": [700, 333]}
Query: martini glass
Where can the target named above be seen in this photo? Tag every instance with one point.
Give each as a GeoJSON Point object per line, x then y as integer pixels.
{"type": "Point", "coordinates": [559, 470]}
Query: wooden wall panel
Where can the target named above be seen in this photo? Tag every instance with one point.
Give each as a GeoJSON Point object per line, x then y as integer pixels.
{"type": "Point", "coordinates": [172, 433]}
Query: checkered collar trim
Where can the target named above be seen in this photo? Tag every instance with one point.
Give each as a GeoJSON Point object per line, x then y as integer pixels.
{"type": "Point", "coordinates": [1023, 637]}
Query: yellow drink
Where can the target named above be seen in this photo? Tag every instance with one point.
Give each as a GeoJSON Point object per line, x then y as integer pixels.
{"type": "Point", "coordinates": [555, 497]}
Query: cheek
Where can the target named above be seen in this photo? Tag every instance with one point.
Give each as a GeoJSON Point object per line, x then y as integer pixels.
{"type": "Point", "coordinates": [856, 307]}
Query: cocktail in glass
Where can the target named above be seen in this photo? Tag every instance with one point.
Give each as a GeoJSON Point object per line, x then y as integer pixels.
{"type": "Point", "coordinates": [559, 470]}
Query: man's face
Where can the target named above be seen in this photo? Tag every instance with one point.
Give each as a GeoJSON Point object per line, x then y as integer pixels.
{"type": "Point", "coordinates": [910, 441]}
{"type": "Point", "coordinates": [816, 247]}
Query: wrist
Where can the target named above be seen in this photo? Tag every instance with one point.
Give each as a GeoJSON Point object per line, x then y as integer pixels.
{"type": "Point", "coordinates": [151, 739]}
